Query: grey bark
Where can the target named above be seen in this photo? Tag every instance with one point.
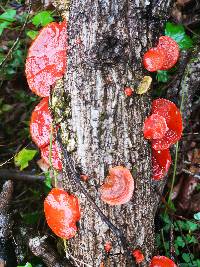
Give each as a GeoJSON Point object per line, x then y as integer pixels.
{"type": "Point", "coordinates": [5, 219]}
{"type": "Point", "coordinates": [107, 125]}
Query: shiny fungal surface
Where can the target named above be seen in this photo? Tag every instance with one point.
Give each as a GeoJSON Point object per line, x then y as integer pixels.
{"type": "Point", "coordinates": [108, 246]}
{"type": "Point", "coordinates": [62, 211]}
{"type": "Point", "coordinates": [172, 115]}
{"type": "Point", "coordinates": [153, 59]}
{"type": "Point", "coordinates": [161, 161]}
{"type": "Point", "coordinates": [46, 60]}
{"type": "Point", "coordinates": [128, 91]}
{"type": "Point", "coordinates": [55, 155]}
{"type": "Point", "coordinates": [162, 261]}
{"type": "Point", "coordinates": [138, 255]}
{"type": "Point", "coordinates": [155, 127]}
{"type": "Point", "coordinates": [171, 49]}
{"type": "Point", "coordinates": [118, 186]}
{"type": "Point", "coordinates": [40, 125]}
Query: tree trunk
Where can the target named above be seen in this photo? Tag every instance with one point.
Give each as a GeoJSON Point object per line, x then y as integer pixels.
{"type": "Point", "coordinates": [106, 42]}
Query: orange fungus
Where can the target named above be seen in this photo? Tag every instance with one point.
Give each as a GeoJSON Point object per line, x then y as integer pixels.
{"type": "Point", "coordinates": [118, 186]}
{"type": "Point", "coordinates": [62, 212]}
{"type": "Point", "coordinates": [40, 125]}
{"type": "Point", "coordinates": [46, 60]}
{"type": "Point", "coordinates": [172, 115]}
{"type": "Point", "coordinates": [55, 155]}
{"type": "Point", "coordinates": [162, 261]}
{"type": "Point", "coordinates": [138, 255]}
{"type": "Point", "coordinates": [161, 161]}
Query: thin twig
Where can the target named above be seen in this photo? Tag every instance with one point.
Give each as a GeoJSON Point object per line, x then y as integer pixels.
{"type": "Point", "coordinates": [18, 38]}
{"type": "Point", "coordinates": [16, 175]}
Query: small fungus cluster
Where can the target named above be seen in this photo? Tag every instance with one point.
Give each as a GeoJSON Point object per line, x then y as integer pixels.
{"type": "Point", "coordinates": [162, 57]}
{"type": "Point", "coordinates": [163, 128]}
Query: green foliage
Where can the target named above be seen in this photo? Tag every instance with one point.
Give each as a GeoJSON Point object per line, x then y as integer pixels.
{"type": "Point", "coordinates": [47, 183]}
{"type": "Point", "coordinates": [177, 32]}
{"type": "Point", "coordinates": [26, 265]}
{"type": "Point", "coordinates": [42, 18]}
{"type": "Point", "coordinates": [32, 34]}
{"type": "Point", "coordinates": [4, 107]}
{"type": "Point", "coordinates": [197, 216]}
{"type": "Point", "coordinates": [14, 64]}
{"type": "Point", "coordinates": [162, 76]}
{"type": "Point", "coordinates": [6, 19]}
{"type": "Point", "coordinates": [30, 218]}
{"type": "Point", "coordinates": [23, 157]}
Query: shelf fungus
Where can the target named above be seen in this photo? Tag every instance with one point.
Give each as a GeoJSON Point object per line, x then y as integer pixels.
{"type": "Point", "coordinates": [46, 60]}
{"type": "Point", "coordinates": [62, 212]}
{"type": "Point", "coordinates": [118, 186]}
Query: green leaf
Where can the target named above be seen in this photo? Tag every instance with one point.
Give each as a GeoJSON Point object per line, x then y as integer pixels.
{"type": "Point", "coordinates": [26, 265]}
{"type": "Point", "coordinates": [162, 76]}
{"type": "Point", "coordinates": [47, 180]}
{"type": "Point", "coordinates": [42, 18]}
{"type": "Point", "coordinates": [30, 218]}
{"type": "Point", "coordinates": [197, 216]}
{"type": "Point", "coordinates": [186, 257]}
{"type": "Point", "coordinates": [192, 226]}
{"type": "Point", "coordinates": [23, 157]}
{"type": "Point", "coordinates": [191, 239]}
{"type": "Point", "coordinates": [186, 42]}
{"type": "Point", "coordinates": [177, 32]}
{"type": "Point", "coordinates": [180, 242]}
{"type": "Point", "coordinates": [8, 15]}
{"type": "Point", "coordinates": [32, 34]}
{"type": "Point", "coordinates": [3, 26]}
{"type": "Point", "coordinates": [6, 108]}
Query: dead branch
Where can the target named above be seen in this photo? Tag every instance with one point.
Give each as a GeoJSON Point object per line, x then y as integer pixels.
{"type": "Point", "coordinates": [5, 219]}
{"type": "Point", "coordinates": [22, 176]}
{"type": "Point", "coordinates": [41, 248]}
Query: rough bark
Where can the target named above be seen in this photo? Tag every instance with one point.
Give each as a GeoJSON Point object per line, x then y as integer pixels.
{"type": "Point", "coordinates": [106, 43]}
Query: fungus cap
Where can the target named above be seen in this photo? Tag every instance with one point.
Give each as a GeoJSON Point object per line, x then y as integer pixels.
{"type": "Point", "coordinates": [161, 161]}
{"type": "Point", "coordinates": [118, 186]}
{"type": "Point", "coordinates": [62, 211]}
{"type": "Point", "coordinates": [46, 60]}
{"type": "Point", "coordinates": [40, 125]}
{"type": "Point", "coordinates": [55, 155]}
{"type": "Point", "coordinates": [172, 115]}
{"type": "Point", "coordinates": [162, 261]}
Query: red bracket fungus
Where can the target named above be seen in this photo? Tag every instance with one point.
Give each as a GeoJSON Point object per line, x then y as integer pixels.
{"type": "Point", "coordinates": [138, 255]}
{"type": "Point", "coordinates": [171, 51]}
{"type": "Point", "coordinates": [153, 59]}
{"type": "Point", "coordinates": [161, 161]}
{"type": "Point", "coordinates": [118, 187]}
{"type": "Point", "coordinates": [62, 212]}
{"type": "Point", "coordinates": [46, 60]}
{"type": "Point", "coordinates": [155, 127]}
{"type": "Point", "coordinates": [128, 91]}
{"type": "Point", "coordinates": [162, 261]}
{"type": "Point", "coordinates": [162, 57]}
{"type": "Point", "coordinates": [55, 155]}
{"type": "Point", "coordinates": [40, 125]}
{"type": "Point", "coordinates": [172, 115]}
{"type": "Point", "coordinates": [164, 127]}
